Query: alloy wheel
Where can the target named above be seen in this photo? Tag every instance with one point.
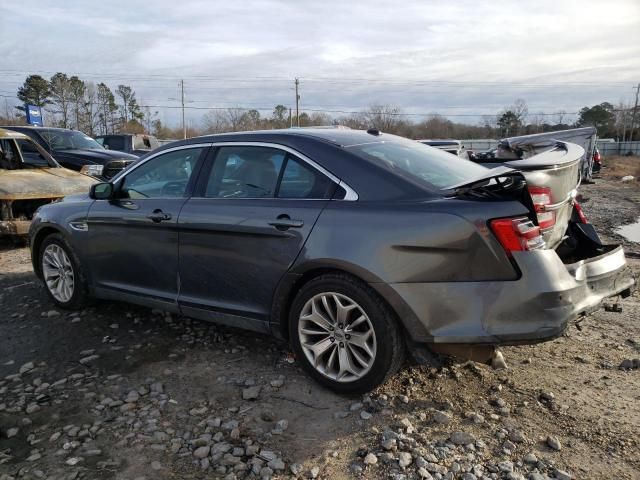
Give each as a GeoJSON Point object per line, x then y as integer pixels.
{"type": "Point", "coordinates": [337, 337]}
{"type": "Point", "coordinates": [58, 273]}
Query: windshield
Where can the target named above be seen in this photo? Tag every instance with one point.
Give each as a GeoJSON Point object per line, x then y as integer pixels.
{"type": "Point", "coordinates": [431, 167]}
{"type": "Point", "coordinates": [69, 140]}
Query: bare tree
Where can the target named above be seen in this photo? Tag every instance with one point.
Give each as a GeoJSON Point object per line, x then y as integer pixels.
{"type": "Point", "coordinates": [215, 121]}
{"type": "Point", "coordinates": [520, 110]}
{"type": "Point", "coordinates": [61, 97]}
{"type": "Point", "coordinates": [235, 118]}
{"type": "Point", "coordinates": [386, 118]}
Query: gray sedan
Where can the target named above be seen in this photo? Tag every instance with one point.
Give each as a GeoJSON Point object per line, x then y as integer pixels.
{"type": "Point", "coordinates": [353, 246]}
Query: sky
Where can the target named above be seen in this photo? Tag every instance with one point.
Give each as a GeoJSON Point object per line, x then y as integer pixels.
{"type": "Point", "coordinates": [459, 58]}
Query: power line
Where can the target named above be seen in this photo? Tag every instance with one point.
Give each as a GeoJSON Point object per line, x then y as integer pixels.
{"type": "Point", "coordinates": [327, 79]}
{"type": "Point", "coordinates": [325, 110]}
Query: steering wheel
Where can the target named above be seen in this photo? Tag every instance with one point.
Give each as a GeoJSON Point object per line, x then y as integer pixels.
{"type": "Point", "coordinates": [173, 189]}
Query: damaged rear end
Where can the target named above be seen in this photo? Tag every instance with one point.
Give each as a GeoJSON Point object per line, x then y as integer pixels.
{"type": "Point", "coordinates": [564, 270]}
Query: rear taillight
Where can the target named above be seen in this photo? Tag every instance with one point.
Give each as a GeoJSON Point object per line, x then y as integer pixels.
{"type": "Point", "coordinates": [580, 213]}
{"type": "Point", "coordinates": [541, 197]}
{"type": "Point", "coordinates": [517, 234]}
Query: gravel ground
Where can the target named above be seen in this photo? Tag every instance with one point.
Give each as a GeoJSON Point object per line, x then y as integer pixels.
{"type": "Point", "coordinates": [120, 392]}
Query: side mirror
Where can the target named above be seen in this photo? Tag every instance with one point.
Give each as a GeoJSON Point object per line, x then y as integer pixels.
{"type": "Point", "coordinates": [101, 191]}
{"type": "Point", "coordinates": [106, 147]}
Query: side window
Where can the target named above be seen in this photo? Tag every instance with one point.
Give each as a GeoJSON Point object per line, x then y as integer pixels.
{"type": "Point", "coordinates": [166, 175]}
{"type": "Point", "coordinates": [245, 172]}
{"type": "Point", "coordinates": [300, 180]}
{"type": "Point", "coordinates": [30, 153]}
{"type": "Point", "coordinates": [9, 156]}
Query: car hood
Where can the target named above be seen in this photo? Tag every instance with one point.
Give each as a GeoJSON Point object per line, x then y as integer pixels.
{"type": "Point", "coordinates": [42, 183]}
{"type": "Point", "coordinates": [96, 156]}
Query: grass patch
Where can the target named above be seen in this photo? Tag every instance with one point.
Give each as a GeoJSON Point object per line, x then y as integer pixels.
{"type": "Point", "coordinates": [615, 167]}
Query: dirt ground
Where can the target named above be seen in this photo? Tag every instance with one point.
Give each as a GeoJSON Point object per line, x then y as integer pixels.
{"type": "Point", "coordinates": [121, 392]}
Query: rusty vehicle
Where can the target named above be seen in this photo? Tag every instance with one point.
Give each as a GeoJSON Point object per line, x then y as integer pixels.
{"type": "Point", "coordinates": [30, 178]}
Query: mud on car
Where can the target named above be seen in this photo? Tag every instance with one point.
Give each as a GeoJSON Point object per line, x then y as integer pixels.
{"type": "Point", "coordinates": [354, 246]}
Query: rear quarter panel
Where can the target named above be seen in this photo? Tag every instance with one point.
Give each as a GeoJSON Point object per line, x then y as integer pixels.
{"type": "Point", "coordinates": [435, 241]}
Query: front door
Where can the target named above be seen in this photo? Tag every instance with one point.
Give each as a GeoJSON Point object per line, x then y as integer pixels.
{"type": "Point", "coordinates": [133, 238]}
{"type": "Point", "coordinates": [242, 231]}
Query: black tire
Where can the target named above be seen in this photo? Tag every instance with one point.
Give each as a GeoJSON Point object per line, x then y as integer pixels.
{"type": "Point", "coordinates": [79, 298]}
{"type": "Point", "coordinates": [390, 349]}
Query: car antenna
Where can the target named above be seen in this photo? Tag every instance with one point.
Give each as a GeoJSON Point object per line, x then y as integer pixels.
{"type": "Point", "coordinates": [374, 131]}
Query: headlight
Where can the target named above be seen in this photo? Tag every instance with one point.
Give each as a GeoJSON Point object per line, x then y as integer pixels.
{"type": "Point", "coordinates": [93, 170]}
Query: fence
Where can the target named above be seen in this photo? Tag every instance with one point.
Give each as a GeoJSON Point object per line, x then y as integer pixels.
{"type": "Point", "coordinates": [618, 148]}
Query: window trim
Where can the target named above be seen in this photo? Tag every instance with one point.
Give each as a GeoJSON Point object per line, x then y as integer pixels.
{"type": "Point", "coordinates": [350, 196]}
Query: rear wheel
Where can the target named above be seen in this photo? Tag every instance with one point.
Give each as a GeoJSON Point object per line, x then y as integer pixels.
{"type": "Point", "coordinates": [61, 273]}
{"type": "Point", "coordinates": [344, 334]}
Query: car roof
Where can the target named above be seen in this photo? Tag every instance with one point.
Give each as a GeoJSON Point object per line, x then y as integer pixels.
{"type": "Point", "coordinates": [12, 134]}
{"type": "Point", "coordinates": [338, 136]}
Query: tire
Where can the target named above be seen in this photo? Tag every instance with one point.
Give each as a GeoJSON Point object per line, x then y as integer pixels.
{"type": "Point", "coordinates": [352, 360]}
{"type": "Point", "coordinates": [55, 250]}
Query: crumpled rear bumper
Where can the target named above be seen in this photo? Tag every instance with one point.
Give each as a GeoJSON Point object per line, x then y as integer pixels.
{"type": "Point", "coordinates": [535, 307]}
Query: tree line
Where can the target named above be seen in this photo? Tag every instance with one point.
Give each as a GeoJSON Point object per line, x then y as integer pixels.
{"type": "Point", "coordinates": [81, 105]}
{"type": "Point", "coordinates": [96, 109]}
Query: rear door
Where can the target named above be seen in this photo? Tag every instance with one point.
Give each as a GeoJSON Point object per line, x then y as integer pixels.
{"type": "Point", "coordinates": [254, 210]}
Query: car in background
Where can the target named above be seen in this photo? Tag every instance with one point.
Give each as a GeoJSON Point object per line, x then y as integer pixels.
{"type": "Point", "coordinates": [76, 151]}
{"type": "Point", "coordinates": [30, 178]}
{"type": "Point", "coordinates": [451, 146]}
{"type": "Point", "coordinates": [483, 157]}
{"type": "Point", "coordinates": [137, 144]}
{"type": "Point", "coordinates": [352, 245]}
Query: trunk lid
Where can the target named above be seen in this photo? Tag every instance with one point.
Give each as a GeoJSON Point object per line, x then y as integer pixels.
{"type": "Point", "coordinates": [555, 170]}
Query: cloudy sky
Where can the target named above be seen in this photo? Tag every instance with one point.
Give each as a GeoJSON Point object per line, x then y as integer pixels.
{"type": "Point", "coordinates": [460, 58]}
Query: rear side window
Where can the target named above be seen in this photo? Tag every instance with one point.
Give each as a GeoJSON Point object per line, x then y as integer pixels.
{"type": "Point", "coordinates": [245, 172]}
{"type": "Point", "coordinates": [264, 172]}
{"type": "Point", "coordinates": [431, 167]}
{"type": "Point", "coordinates": [300, 180]}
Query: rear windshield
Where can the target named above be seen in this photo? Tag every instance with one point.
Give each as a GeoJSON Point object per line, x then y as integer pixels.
{"type": "Point", "coordinates": [429, 166]}
{"type": "Point", "coordinates": [113, 143]}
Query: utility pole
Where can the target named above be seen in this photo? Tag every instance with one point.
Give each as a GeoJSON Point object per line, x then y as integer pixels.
{"type": "Point", "coordinates": [633, 117]}
{"type": "Point", "coordinates": [184, 125]}
{"type": "Point", "coordinates": [297, 103]}
{"type": "Point", "coordinates": [290, 119]}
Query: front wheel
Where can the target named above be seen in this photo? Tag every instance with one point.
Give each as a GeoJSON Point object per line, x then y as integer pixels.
{"type": "Point", "coordinates": [345, 335]}
{"type": "Point", "coordinates": [61, 273]}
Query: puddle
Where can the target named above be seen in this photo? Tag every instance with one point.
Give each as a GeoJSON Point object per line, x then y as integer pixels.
{"type": "Point", "coordinates": [631, 232]}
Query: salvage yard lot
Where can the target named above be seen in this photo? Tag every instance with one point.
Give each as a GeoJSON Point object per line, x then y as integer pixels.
{"type": "Point", "coordinates": [121, 392]}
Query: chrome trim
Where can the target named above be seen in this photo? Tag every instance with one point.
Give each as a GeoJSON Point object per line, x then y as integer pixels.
{"type": "Point", "coordinates": [79, 226]}
{"type": "Point", "coordinates": [351, 195]}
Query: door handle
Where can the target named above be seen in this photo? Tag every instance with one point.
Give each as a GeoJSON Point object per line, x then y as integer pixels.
{"type": "Point", "coordinates": [284, 222]}
{"type": "Point", "coordinates": [159, 216]}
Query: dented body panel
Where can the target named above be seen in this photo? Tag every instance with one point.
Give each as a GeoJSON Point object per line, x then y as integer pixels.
{"type": "Point", "coordinates": [429, 253]}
